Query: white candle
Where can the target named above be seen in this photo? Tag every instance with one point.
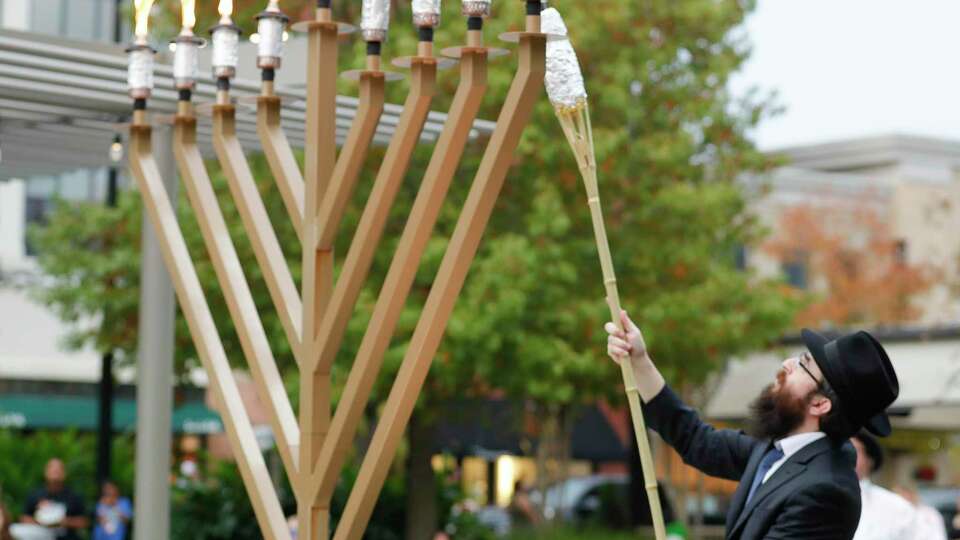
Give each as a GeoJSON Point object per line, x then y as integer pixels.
{"type": "Point", "coordinates": [426, 13]}
{"type": "Point", "coordinates": [476, 8]}
{"type": "Point", "coordinates": [270, 26]}
{"type": "Point", "coordinates": [375, 20]}
{"type": "Point", "coordinates": [226, 43]}
{"type": "Point", "coordinates": [185, 68]}
{"type": "Point", "coordinates": [140, 71]}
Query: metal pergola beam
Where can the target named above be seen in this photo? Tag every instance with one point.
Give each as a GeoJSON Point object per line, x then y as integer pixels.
{"type": "Point", "coordinates": [72, 95]}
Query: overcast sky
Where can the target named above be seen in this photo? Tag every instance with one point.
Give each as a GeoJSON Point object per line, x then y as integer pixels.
{"type": "Point", "coordinates": [849, 68]}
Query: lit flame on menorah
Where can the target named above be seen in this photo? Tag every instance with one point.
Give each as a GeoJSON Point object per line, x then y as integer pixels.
{"type": "Point", "coordinates": [315, 448]}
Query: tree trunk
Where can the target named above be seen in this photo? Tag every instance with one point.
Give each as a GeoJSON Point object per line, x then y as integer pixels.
{"type": "Point", "coordinates": [422, 514]}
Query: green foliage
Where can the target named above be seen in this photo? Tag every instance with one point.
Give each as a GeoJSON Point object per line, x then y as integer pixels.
{"type": "Point", "coordinates": [91, 255]}
{"type": "Point", "coordinates": [25, 456]}
{"type": "Point", "coordinates": [216, 507]}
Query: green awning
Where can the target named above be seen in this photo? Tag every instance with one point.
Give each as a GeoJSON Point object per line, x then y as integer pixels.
{"type": "Point", "coordinates": [194, 417]}
{"type": "Point", "coordinates": [33, 411]}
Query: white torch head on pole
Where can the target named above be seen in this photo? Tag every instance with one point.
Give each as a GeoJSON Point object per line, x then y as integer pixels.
{"type": "Point", "coordinates": [563, 78]}
{"type": "Point", "coordinates": [375, 20]}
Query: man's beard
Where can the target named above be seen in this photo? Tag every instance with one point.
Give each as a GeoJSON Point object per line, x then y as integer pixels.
{"type": "Point", "coordinates": [774, 414]}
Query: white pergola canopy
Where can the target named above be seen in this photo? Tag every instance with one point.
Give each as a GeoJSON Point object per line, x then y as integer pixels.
{"type": "Point", "coordinates": [61, 102]}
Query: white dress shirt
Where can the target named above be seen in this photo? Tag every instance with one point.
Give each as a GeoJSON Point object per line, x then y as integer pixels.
{"type": "Point", "coordinates": [884, 515]}
{"type": "Point", "coordinates": [790, 446]}
{"type": "Point", "coordinates": [930, 525]}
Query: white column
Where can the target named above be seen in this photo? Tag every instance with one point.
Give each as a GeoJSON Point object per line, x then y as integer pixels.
{"type": "Point", "coordinates": [13, 226]}
{"type": "Point", "coordinates": [155, 369]}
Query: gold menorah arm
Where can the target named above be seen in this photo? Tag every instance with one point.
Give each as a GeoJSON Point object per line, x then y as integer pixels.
{"type": "Point", "coordinates": [374, 218]}
{"type": "Point", "coordinates": [193, 303]}
{"type": "Point", "coordinates": [403, 269]}
{"type": "Point", "coordinates": [283, 165]}
{"type": "Point", "coordinates": [347, 170]}
{"type": "Point", "coordinates": [243, 310]}
{"type": "Point", "coordinates": [320, 158]}
{"type": "Point", "coordinates": [256, 221]}
{"type": "Point", "coordinates": [365, 240]}
{"type": "Point", "coordinates": [446, 287]}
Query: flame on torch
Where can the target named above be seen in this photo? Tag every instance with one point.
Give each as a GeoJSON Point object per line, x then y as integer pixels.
{"type": "Point", "coordinates": [226, 9]}
{"type": "Point", "coordinates": [188, 15]}
{"type": "Point", "coordinates": [142, 10]}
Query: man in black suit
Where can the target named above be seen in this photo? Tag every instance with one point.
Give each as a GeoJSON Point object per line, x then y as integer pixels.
{"type": "Point", "coordinates": [796, 468]}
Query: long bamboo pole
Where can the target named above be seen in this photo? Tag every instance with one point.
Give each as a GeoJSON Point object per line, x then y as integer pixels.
{"type": "Point", "coordinates": [403, 268]}
{"type": "Point", "coordinates": [193, 303]}
{"type": "Point", "coordinates": [446, 287]}
{"type": "Point", "coordinates": [243, 310]}
{"type": "Point", "coordinates": [579, 133]}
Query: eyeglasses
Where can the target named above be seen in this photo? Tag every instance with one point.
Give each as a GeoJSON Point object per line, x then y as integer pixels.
{"type": "Point", "coordinates": [822, 385]}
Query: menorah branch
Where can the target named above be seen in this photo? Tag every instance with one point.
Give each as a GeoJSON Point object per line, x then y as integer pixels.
{"type": "Point", "coordinates": [280, 158]}
{"type": "Point", "coordinates": [396, 287]}
{"type": "Point", "coordinates": [374, 218]}
{"type": "Point", "coordinates": [256, 222]}
{"type": "Point", "coordinates": [446, 287]}
{"type": "Point", "coordinates": [193, 303]}
{"type": "Point", "coordinates": [243, 309]}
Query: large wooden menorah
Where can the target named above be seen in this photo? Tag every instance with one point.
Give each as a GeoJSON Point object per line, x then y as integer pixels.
{"type": "Point", "coordinates": [315, 448]}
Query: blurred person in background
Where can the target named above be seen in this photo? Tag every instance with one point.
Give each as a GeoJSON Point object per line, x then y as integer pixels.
{"type": "Point", "coordinates": [523, 515]}
{"type": "Point", "coordinates": [56, 506]}
{"type": "Point", "coordinates": [930, 525]}
{"type": "Point", "coordinates": [884, 515]}
{"type": "Point", "coordinates": [113, 514]}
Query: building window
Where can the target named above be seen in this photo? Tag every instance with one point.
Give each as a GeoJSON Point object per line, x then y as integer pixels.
{"type": "Point", "coordinates": [900, 252]}
{"type": "Point", "coordinates": [740, 257]}
{"type": "Point", "coordinates": [795, 270]}
{"type": "Point", "coordinates": [75, 19]}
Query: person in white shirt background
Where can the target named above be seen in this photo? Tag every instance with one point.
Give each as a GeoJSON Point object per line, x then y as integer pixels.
{"type": "Point", "coordinates": [930, 523]}
{"type": "Point", "coordinates": [884, 515]}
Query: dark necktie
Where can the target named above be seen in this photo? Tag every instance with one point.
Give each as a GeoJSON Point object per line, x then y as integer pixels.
{"type": "Point", "coordinates": [771, 457]}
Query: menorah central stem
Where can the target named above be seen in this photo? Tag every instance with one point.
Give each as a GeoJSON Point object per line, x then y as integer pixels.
{"type": "Point", "coordinates": [317, 280]}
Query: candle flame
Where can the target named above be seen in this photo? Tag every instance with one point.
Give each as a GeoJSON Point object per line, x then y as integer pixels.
{"type": "Point", "coordinates": [142, 10]}
{"type": "Point", "coordinates": [188, 14]}
{"type": "Point", "coordinates": [274, 5]}
{"type": "Point", "coordinates": [225, 9]}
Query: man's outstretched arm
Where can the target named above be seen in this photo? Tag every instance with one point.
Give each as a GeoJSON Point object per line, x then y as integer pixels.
{"type": "Point", "coordinates": [723, 453]}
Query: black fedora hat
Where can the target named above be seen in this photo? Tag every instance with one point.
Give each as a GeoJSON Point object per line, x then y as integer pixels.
{"type": "Point", "coordinates": [860, 372]}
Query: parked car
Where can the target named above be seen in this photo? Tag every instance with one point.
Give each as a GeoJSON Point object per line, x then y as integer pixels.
{"type": "Point", "coordinates": [601, 499]}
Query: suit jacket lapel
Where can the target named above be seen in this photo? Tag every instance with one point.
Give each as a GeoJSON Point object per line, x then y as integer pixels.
{"type": "Point", "coordinates": [795, 465]}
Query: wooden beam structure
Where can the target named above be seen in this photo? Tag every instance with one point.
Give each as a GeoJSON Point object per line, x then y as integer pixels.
{"type": "Point", "coordinates": [314, 446]}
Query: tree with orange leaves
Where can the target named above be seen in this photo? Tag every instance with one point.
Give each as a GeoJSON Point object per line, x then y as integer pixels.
{"type": "Point", "coordinates": [854, 266]}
